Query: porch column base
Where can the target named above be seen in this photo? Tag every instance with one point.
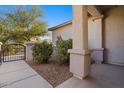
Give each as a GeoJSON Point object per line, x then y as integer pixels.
{"type": "Point", "coordinates": [80, 63]}
{"type": "Point", "coordinates": [79, 77]}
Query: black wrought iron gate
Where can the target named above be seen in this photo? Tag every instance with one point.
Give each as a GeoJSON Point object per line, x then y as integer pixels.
{"type": "Point", "coordinates": [13, 52]}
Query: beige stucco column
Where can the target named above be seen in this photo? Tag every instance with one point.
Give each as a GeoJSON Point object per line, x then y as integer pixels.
{"type": "Point", "coordinates": [29, 56]}
{"type": "Point", "coordinates": [80, 55]}
{"type": "Point", "coordinates": [96, 39]}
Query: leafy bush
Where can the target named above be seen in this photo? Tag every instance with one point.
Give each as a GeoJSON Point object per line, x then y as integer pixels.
{"type": "Point", "coordinates": [62, 49]}
{"type": "Point", "coordinates": [10, 48]}
{"type": "Point", "coordinates": [42, 51]}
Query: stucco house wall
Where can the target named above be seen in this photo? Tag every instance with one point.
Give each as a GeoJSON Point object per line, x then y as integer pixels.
{"type": "Point", "coordinates": [114, 36]}
{"type": "Point", "coordinates": [94, 33]}
{"type": "Point", "coordinates": [65, 32]}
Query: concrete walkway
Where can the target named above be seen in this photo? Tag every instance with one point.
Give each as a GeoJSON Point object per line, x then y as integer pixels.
{"type": "Point", "coordinates": [102, 76]}
{"type": "Point", "coordinates": [19, 74]}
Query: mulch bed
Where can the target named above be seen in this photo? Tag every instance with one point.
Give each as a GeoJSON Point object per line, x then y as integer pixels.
{"type": "Point", "coordinates": [54, 73]}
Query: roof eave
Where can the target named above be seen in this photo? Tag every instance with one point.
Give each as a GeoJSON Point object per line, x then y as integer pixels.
{"type": "Point", "coordinates": [60, 25]}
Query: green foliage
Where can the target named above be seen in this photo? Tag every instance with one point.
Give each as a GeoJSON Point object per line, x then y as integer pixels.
{"type": "Point", "coordinates": [11, 48]}
{"type": "Point", "coordinates": [21, 24]}
{"type": "Point", "coordinates": [42, 51]}
{"type": "Point", "coordinates": [62, 49]}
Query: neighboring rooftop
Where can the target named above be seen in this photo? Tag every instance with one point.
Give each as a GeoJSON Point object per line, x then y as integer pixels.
{"type": "Point", "coordinates": [60, 25]}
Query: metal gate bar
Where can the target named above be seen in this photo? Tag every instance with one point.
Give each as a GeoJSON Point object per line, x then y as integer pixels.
{"type": "Point", "coordinates": [13, 52]}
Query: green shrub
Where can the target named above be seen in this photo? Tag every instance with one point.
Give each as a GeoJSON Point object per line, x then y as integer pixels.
{"type": "Point", "coordinates": [10, 48]}
{"type": "Point", "coordinates": [62, 49]}
{"type": "Point", "coordinates": [42, 51]}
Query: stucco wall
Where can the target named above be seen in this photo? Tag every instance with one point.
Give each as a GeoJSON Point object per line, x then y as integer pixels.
{"type": "Point", "coordinates": [95, 33]}
{"type": "Point", "coordinates": [65, 32]}
{"type": "Point", "coordinates": [114, 36]}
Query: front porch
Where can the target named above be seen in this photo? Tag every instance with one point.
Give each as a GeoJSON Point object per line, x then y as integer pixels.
{"type": "Point", "coordinates": [100, 28]}
{"type": "Point", "coordinates": [101, 76]}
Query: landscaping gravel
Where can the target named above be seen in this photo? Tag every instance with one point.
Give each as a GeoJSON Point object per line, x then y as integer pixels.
{"type": "Point", "coordinates": [54, 73]}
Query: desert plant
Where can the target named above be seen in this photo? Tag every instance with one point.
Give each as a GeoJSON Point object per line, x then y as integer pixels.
{"type": "Point", "coordinates": [21, 24]}
{"type": "Point", "coordinates": [42, 51]}
{"type": "Point", "coordinates": [62, 49]}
